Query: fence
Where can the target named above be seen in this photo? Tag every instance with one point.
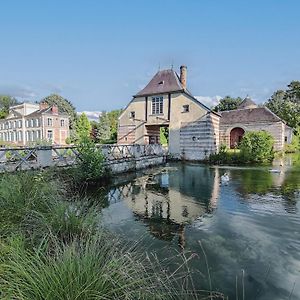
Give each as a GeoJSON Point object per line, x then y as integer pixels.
{"type": "Point", "coordinates": [24, 158]}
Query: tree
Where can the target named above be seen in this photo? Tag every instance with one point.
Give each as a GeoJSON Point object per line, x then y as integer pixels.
{"type": "Point", "coordinates": [83, 127]}
{"type": "Point", "coordinates": [113, 123]}
{"type": "Point", "coordinates": [257, 146]}
{"type": "Point", "coordinates": [293, 92]}
{"type": "Point", "coordinates": [5, 103]}
{"type": "Point", "coordinates": [107, 128]}
{"type": "Point", "coordinates": [64, 106]}
{"type": "Point", "coordinates": [228, 103]}
{"type": "Point", "coordinates": [286, 104]}
{"type": "Point", "coordinates": [104, 128]}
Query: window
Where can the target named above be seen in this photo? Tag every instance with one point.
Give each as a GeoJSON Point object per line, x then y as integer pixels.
{"type": "Point", "coordinates": [20, 123]}
{"type": "Point", "coordinates": [157, 105]}
{"type": "Point", "coordinates": [49, 135]}
{"type": "Point", "coordinates": [285, 139]}
{"type": "Point", "coordinates": [186, 108]}
{"type": "Point", "coordinates": [62, 123]}
{"type": "Point", "coordinates": [132, 115]}
{"type": "Point", "coordinates": [49, 122]}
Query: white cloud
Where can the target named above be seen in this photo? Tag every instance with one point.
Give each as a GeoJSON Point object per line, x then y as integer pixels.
{"type": "Point", "coordinates": [17, 91]}
{"type": "Point", "coordinates": [92, 115]}
{"type": "Point", "coordinates": [208, 100]}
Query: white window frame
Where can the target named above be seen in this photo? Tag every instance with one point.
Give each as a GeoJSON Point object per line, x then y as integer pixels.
{"type": "Point", "coordinates": [157, 105]}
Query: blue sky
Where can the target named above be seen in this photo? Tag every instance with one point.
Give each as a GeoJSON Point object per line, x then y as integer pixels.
{"type": "Point", "coordinates": [99, 53]}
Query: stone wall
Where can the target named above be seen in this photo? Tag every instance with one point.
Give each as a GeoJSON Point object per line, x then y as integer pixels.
{"type": "Point", "coordinates": [199, 139]}
{"type": "Point", "coordinates": [276, 129]}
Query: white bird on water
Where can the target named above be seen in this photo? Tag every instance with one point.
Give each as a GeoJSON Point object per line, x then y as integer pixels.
{"type": "Point", "coordinates": [225, 178]}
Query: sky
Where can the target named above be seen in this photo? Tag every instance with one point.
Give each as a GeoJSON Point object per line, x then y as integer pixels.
{"type": "Point", "coordinates": [99, 53]}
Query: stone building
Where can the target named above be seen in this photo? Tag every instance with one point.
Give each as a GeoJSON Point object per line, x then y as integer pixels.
{"type": "Point", "coordinates": [28, 123]}
{"type": "Point", "coordinates": [166, 102]}
{"type": "Point", "coordinates": [251, 117]}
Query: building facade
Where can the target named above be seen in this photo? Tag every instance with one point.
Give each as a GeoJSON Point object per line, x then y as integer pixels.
{"type": "Point", "coordinates": [193, 129]}
{"type": "Point", "coordinates": [28, 123]}
{"type": "Point", "coordinates": [251, 117]}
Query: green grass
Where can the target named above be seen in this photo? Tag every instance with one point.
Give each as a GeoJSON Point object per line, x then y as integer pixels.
{"type": "Point", "coordinates": [53, 247]}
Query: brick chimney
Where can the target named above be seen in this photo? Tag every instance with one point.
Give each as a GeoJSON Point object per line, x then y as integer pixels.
{"type": "Point", "coordinates": [43, 105]}
{"type": "Point", "coordinates": [54, 109]}
{"type": "Point", "coordinates": [183, 70]}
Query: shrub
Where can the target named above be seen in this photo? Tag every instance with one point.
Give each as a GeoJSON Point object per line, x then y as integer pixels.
{"type": "Point", "coordinates": [257, 146]}
{"type": "Point", "coordinates": [90, 164]}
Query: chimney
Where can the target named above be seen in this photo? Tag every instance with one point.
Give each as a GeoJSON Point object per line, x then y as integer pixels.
{"type": "Point", "coordinates": [54, 109]}
{"type": "Point", "coordinates": [183, 76]}
{"type": "Point", "coordinates": [43, 105]}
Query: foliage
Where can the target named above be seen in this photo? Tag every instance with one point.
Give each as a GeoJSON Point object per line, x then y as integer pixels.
{"type": "Point", "coordinates": [286, 104]}
{"type": "Point", "coordinates": [83, 127]}
{"type": "Point", "coordinates": [228, 103]}
{"type": "Point", "coordinates": [164, 135]}
{"type": "Point", "coordinates": [30, 192]}
{"type": "Point", "coordinates": [51, 247]}
{"type": "Point", "coordinates": [107, 128]}
{"type": "Point", "coordinates": [90, 165]}
{"type": "Point", "coordinates": [257, 146]}
{"type": "Point", "coordinates": [5, 102]}
{"type": "Point", "coordinates": [294, 146]}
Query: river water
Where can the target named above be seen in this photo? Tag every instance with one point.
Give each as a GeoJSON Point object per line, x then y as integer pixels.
{"type": "Point", "coordinates": [249, 228]}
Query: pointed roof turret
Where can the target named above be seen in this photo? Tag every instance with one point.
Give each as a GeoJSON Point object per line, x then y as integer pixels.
{"type": "Point", "coordinates": [247, 103]}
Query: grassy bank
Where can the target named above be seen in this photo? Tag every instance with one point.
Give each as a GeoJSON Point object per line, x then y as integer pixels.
{"type": "Point", "coordinates": [52, 246]}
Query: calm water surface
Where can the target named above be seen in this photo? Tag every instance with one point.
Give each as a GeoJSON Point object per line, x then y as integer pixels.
{"type": "Point", "coordinates": [250, 226]}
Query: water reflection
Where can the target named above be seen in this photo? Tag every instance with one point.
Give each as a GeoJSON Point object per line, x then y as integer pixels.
{"type": "Point", "coordinates": [170, 198]}
{"type": "Point", "coordinates": [251, 224]}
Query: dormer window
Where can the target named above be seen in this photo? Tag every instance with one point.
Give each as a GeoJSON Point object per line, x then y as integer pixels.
{"type": "Point", "coordinates": [186, 108]}
{"type": "Point", "coordinates": [132, 115]}
{"type": "Point", "coordinates": [161, 82]}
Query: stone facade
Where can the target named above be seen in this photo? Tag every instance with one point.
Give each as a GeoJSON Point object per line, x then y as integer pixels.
{"type": "Point", "coordinates": [28, 123]}
{"type": "Point", "coordinates": [165, 102]}
{"type": "Point", "coordinates": [250, 117]}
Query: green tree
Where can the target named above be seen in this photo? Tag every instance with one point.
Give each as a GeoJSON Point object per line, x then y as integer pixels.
{"type": "Point", "coordinates": [257, 146]}
{"type": "Point", "coordinates": [5, 103]}
{"type": "Point", "coordinates": [113, 123]}
{"type": "Point", "coordinates": [228, 103]}
{"type": "Point", "coordinates": [83, 127]}
{"type": "Point", "coordinates": [104, 129]}
{"type": "Point", "coordinates": [64, 106]}
{"type": "Point", "coordinates": [286, 104]}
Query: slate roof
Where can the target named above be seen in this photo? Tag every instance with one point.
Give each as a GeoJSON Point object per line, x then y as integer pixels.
{"type": "Point", "coordinates": [164, 81]}
{"type": "Point", "coordinates": [248, 115]}
{"type": "Point", "coordinates": [41, 111]}
{"type": "Point", "coordinates": [247, 103]}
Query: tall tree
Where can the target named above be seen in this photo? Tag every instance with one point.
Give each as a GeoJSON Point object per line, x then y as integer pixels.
{"type": "Point", "coordinates": [228, 103]}
{"type": "Point", "coordinates": [5, 103]}
{"type": "Point", "coordinates": [104, 128]}
{"type": "Point", "coordinates": [286, 104]}
{"type": "Point", "coordinates": [293, 92]}
{"type": "Point", "coordinates": [83, 127]}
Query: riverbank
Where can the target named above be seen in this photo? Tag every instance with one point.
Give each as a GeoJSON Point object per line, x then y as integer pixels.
{"type": "Point", "coordinates": [53, 246]}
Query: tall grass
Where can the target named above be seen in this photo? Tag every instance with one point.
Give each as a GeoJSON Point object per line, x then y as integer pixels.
{"type": "Point", "coordinates": [52, 247]}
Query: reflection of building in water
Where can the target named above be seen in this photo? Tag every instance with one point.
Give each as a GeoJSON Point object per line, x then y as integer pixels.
{"type": "Point", "coordinates": [167, 202]}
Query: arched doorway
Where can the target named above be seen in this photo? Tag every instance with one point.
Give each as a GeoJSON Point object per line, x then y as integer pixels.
{"type": "Point", "coordinates": [236, 135]}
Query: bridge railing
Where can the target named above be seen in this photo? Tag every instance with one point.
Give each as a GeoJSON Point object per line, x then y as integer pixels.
{"type": "Point", "coordinates": [22, 158]}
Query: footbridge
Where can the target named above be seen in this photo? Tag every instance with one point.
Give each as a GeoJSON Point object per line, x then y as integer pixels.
{"type": "Point", "coordinates": [117, 158]}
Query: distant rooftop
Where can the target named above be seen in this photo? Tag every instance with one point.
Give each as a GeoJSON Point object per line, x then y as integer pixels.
{"type": "Point", "coordinates": [247, 103]}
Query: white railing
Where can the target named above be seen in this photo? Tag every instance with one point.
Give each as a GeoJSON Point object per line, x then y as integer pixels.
{"type": "Point", "coordinates": [24, 158]}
